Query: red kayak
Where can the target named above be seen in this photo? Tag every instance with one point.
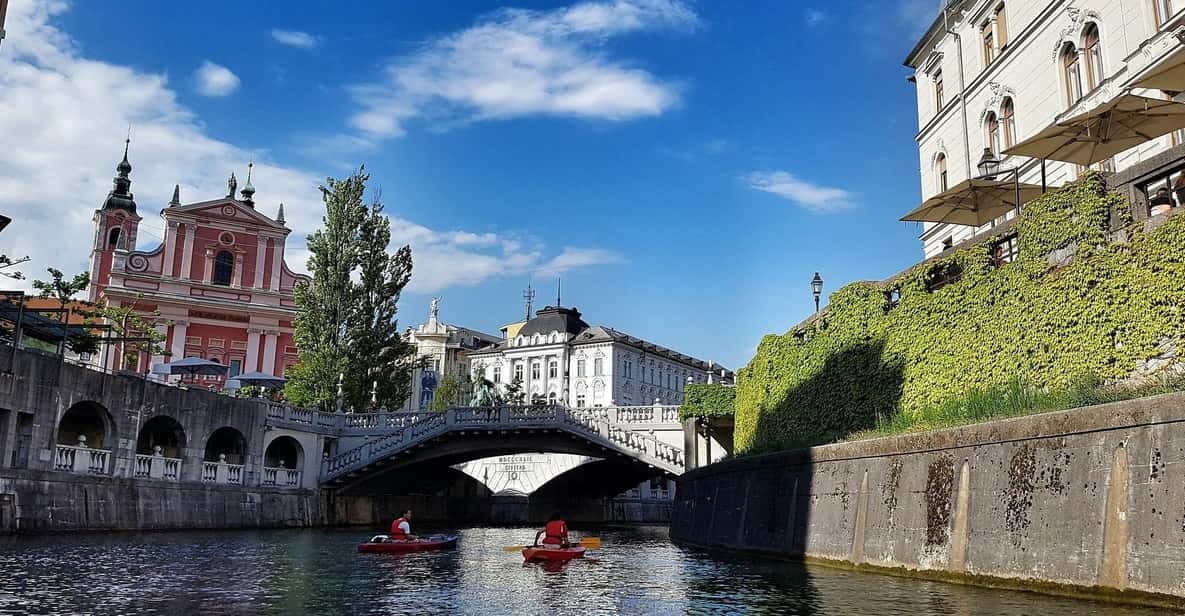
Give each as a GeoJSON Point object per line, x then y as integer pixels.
{"type": "Point", "coordinates": [545, 554]}
{"type": "Point", "coordinates": [435, 542]}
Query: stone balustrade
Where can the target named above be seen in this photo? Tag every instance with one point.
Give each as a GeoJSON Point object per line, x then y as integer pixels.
{"type": "Point", "coordinates": [222, 472]}
{"type": "Point", "coordinates": [279, 476]}
{"type": "Point", "coordinates": [82, 459]}
{"type": "Point", "coordinates": [157, 466]}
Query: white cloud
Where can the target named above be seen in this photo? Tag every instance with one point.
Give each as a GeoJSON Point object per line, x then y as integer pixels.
{"type": "Point", "coordinates": [814, 17]}
{"type": "Point", "coordinates": [515, 63]}
{"type": "Point", "coordinates": [293, 38]}
{"type": "Point", "coordinates": [215, 80]}
{"type": "Point", "coordinates": [812, 197]}
{"type": "Point", "coordinates": [63, 117]}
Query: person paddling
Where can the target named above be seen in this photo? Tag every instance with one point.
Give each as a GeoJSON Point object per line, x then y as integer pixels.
{"type": "Point", "coordinates": [401, 528]}
{"type": "Point", "coordinates": [555, 532]}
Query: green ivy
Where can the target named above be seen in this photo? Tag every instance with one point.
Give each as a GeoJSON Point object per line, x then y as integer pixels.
{"type": "Point", "coordinates": [707, 400]}
{"type": "Point", "coordinates": [865, 363]}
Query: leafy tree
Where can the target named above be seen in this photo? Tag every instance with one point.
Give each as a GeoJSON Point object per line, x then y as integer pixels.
{"type": "Point", "coordinates": [446, 393]}
{"type": "Point", "coordinates": [514, 392]}
{"type": "Point", "coordinates": [63, 290]}
{"type": "Point", "coordinates": [134, 330]}
{"type": "Point", "coordinates": [346, 322]}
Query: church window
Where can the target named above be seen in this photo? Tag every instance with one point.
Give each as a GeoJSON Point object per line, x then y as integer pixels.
{"type": "Point", "coordinates": [224, 267]}
{"type": "Point", "coordinates": [113, 237]}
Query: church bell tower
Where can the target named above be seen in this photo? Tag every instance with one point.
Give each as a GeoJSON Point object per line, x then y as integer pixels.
{"type": "Point", "coordinates": [116, 224]}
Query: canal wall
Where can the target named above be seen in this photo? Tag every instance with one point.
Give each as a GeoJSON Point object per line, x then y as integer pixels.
{"type": "Point", "coordinates": [1088, 501]}
{"type": "Point", "coordinates": [33, 501]}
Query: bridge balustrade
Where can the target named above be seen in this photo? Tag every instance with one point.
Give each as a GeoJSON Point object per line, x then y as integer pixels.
{"type": "Point", "coordinates": [222, 472]}
{"type": "Point", "coordinates": [81, 459]}
{"type": "Point", "coordinates": [279, 476]}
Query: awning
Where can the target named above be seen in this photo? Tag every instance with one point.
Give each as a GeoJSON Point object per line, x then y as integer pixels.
{"type": "Point", "coordinates": [1168, 74]}
{"type": "Point", "coordinates": [1104, 131]}
{"type": "Point", "coordinates": [974, 202]}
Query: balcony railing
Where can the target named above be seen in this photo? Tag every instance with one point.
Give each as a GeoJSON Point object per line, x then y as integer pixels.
{"type": "Point", "coordinates": [154, 466]}
{"type": "Point", "coordinates": [281, 477]}
{"type": "Point", "coordinates": [82, 460]}
{"type": "Point", "coordinates": [222, 472]}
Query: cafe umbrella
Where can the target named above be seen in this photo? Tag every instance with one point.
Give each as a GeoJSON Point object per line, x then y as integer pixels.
{"type": "Point", "coordinates": [191, 366]}
{"type": "Point", "coordinates": [974, 202]}
{"type": "Point", "coordinates": [259, 379]}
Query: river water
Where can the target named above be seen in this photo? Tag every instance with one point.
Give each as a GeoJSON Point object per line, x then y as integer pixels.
{"type": "Point", "coordinates": [637, 571]}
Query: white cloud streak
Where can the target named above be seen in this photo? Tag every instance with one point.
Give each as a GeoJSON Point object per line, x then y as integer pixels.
{"type": "Point", "coordinates": [293, 38]}
{"type": "Point", "coordinates": [63, 116]}
{"type": "Point", "coordinates": [515, 63]}
{"type": "Point", "coordinates": [814, 17]}
{"type": "Point", "coordinates": [215, 80]}
{"type": "Point", "coordinates": [811, 197]}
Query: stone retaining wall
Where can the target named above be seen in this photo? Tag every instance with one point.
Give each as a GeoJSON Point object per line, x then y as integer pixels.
{"type": "Point", "coordinates": [1084, 501]}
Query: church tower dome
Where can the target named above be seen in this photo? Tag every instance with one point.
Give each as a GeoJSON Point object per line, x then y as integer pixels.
{"type": "Point", "coordinates": [120, 197]}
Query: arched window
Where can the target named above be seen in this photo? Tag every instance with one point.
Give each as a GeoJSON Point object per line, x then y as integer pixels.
{"type": "Point", "coordinates": [1094, 56]}
{"type": "Point", "coordinates": [113, 237]}
{"type": "Point", "coordinates": [1072, 73]}
{"type": "Point", "coordinates": [1008, 119]}
{"type": "Point", "coordinates": [991, 127]}
{"type": "Point", "coordinates": [940, 165]}
{"type": "Point", "coordinates": [224, 267]}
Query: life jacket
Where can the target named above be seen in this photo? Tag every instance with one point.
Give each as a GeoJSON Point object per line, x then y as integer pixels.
{"type": "Point", "coordinates": [396, 532]}
{"type": "Point", "coordinates": [556, 532]}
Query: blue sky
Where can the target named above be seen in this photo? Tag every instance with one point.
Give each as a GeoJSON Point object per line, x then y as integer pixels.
{"type": "Point", "coordinates": [684, 166]}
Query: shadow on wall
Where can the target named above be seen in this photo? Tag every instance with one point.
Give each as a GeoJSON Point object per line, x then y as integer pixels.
{"type": "Point", "coordinates": [858, 385]}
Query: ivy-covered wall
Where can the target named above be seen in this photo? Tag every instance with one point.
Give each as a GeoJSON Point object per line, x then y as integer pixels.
{"type": "Point", "coordinates": [1094, 311]}
{"type": "Point", "coordinates": [707, 400]}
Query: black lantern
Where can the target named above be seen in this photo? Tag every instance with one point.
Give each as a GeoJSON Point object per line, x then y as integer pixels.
{"type": "Point", "coordinates": [817, 289]}
{"type": "Point", "coordinates": [989, 165]}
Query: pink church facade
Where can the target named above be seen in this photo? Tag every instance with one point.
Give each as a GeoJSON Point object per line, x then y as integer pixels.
{"type": "Point", "coordinates": [218, 281]}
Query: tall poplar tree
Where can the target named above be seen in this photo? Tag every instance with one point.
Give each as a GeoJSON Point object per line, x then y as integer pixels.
{"type": "Point", "coordinates": [346, 321]}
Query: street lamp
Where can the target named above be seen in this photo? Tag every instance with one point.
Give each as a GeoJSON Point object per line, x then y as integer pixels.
{"type": "Point", "coordinates": [989, 165]}
{"type": "Point", "coordinates": [817, 289]}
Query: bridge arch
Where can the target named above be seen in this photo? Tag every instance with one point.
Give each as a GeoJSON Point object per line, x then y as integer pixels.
{"type": "Point", "coordinates": [601, 478]}
{"type": "Point", "coordinates": [226, 441]}
{"type": "Point", "coordinates": [161, 431]}
{"type": "Point", "coordinates": [87, 423]}
{"type": "Point", "coordinates": [284, 452]}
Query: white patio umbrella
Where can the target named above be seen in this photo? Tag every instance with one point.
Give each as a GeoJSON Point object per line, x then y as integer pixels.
{"type": "Point", "coordinates": [261, 379]}
{"type": "Point", "coordinates": [974, 202]}
{"type": "Point", "coordinates": [1104, 131]}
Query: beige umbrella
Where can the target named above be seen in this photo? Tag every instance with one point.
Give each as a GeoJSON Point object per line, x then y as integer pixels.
{"type": "Point", "coordinates": [1104, 131]}
{"type": "Point", "coordinates": [1169, 73]}
{"type": "Point", "coordinates": [974, 202]}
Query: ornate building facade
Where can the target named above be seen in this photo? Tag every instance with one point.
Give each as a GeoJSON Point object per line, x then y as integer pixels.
{"type": "Point", "coordinates": [218, 281]}
{"type": "Point", "coordinates": [443, 350]}
{"type": "Point", "coordinates": [557, 357]}
{"type": "Point", "coordinates": [992, 73]}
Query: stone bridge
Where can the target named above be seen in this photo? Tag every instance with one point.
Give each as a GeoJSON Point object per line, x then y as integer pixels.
{"type": "Point", "coordinates": [649, 438]}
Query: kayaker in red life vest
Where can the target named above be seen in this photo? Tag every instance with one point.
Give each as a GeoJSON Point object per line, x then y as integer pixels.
{"type": "Point", "coordinates": [555, 532]}
{"type": "Point", "coordinates": [401, 528]}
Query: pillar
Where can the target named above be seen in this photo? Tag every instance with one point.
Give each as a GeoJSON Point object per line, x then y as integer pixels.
{"type": "Point", "coordinates": [163, 330]}
{"type": "Point", "coordinates": [277, 257]}
{"type": "Point", "coordinates": [170, 248]}
{"type": "Point", "coordinates": [252, 351]}
{"type": "Point", "coordinates": [178, 348]}
{"type": "Point", "coordinates": [269, 353]}
{"type": "Point", "coordinates": [260, 255]}
{"type": "Point", "coordinates": [187, 254]}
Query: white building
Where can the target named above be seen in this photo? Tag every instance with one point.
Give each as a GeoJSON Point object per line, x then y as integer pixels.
{"type": "Point", "coordinates": [992, 73]}
{"type": "Point", "coordinates": [443, 350]}
{"type": "Point", "coordinates": [557, 357]}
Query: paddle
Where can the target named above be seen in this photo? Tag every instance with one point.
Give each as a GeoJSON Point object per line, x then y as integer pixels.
{"type": "Point", "coordinates": [591, 543]}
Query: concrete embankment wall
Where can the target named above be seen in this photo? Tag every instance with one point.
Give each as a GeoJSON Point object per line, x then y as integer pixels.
{"type": "Point", "coordinates": [1088, 501]}
{"type": "Point", "coordinates": [32, 501]}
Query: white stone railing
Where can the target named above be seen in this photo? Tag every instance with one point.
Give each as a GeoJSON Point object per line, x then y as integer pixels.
{"type": "Point", "coordinates": [222, 472]}
{"type": "Point", "coordinates": [155, 466]}
{"type": "Point", "coordinates": [597, 424]}
{"type": "Point", "coordinates": [82, 460]}
{"type": "Point", "coordinates": [282, 477]}
{"type": "Point", "coordinates": [658, 414]}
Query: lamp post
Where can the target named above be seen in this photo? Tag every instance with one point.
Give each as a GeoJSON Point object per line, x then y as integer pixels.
{"type": "Point", "coordinates": [817, 289]}
{"type": "Point", "coordinates": [989, 169]}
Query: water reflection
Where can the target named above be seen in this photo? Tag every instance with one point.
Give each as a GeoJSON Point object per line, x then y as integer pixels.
{"type": "Point", "coordinates": [291, 572]}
